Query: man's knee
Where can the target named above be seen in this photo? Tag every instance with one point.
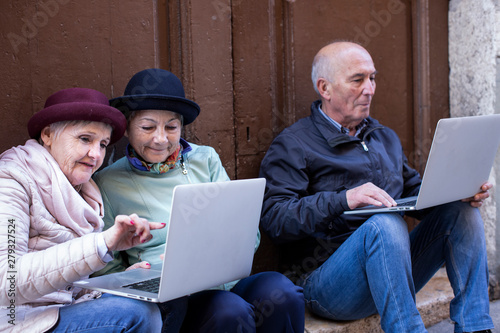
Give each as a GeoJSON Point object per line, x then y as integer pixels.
{"type": "Point", "coordinates": [460, 215]}
{"type": "Point", "coordinates": [388, 232]}
{"type": "Point", "coordinates": [391, 226]}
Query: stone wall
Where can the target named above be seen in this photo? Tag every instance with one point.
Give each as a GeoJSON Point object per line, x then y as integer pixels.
{"type": "Point", "coordinates": [473, 53]}
{"type": "Point", "coordinates": [496, 264]}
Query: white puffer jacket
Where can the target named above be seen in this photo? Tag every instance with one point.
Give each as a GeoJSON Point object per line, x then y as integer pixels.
{"type": "Point", "coordinates": [47, 238]}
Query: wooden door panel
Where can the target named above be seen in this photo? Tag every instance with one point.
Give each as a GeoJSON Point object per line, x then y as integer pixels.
{"type": "Point", "coordinates": [384, 28]}
{"type": "Point", "coordinates": [257, 50]}
{"type": "Point", "coordinates": [274, 44]}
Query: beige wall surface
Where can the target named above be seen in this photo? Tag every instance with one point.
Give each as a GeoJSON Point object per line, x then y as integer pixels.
{"type": "Point", "coordinates": [473, 50]}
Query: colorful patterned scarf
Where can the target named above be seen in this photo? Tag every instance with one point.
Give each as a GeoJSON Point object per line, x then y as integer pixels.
{"type": "Point", "coordinates": [160, 168]}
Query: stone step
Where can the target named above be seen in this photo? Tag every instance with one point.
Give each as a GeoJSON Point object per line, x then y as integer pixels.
{"type": "Point", "coordinates": [432, 302]}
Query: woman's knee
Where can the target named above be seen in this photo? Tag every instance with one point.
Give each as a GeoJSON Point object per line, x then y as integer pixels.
{"type": "Point", "coordinates": [273, 296]}
{"type": "Point", "coordinates": [140, 314]}
{"type": "Point", "coordinates": [231, 315]}
{"type": "Point", "coordinates": [269, 286]}
{"type": "Point", "coordinates": [217, 311]}
{"type": "Point", "coordinates": [110, 312]}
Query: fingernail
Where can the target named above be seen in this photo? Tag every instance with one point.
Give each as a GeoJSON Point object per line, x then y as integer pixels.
{"type": "Point", "coordinates": [143, 241]}
{"type": "Point", "coordinates": [148, 264]}
{"type": "Point", "coordinates": [132, 222]}
{"type": "Point", "coordinates": [163, 224]}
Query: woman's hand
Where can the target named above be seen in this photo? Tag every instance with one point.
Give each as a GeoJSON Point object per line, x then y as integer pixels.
{"type": "Point", "coordinates": [142, 264]}
{"type": "Point", "coordinates": [129, 231]}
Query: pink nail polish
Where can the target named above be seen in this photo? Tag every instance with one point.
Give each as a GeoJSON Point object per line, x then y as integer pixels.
{"type": "Point", "coordinates": [132, 222]}
{"type": "Point", "coordinates": [148, 264]}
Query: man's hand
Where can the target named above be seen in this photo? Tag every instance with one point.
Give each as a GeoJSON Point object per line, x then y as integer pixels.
{"type": "Point", "coordinates": [477, 199]}
{"type": "Point", "coordinates": [129, 231]}
{"type": "Point", "coordinates": [368, 194]}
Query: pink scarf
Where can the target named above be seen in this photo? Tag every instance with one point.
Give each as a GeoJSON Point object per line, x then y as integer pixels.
{"type": "Point", "coordinates": [80, 211]}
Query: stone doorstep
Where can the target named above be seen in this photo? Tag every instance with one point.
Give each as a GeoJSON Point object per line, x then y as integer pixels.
{"type": "Point", "coordinates": [432, 302]}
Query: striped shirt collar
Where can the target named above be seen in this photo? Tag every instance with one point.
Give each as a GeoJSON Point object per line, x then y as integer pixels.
{"type": "Point", "coordinates": [342, 129]}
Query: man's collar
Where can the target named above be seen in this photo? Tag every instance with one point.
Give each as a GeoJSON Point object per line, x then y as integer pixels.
{"type": "Point", "coordinates": [359, 128]}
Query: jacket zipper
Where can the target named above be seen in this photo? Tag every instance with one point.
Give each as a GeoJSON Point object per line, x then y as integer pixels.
{"type": "Point", "coordinates": [345, 139]}
{"type": "Point", "coordinates": [365, 147]}
{"type": "Point", "coordinates": [183, 166]}
{"type": "Point", "coordinates": [184, 169]}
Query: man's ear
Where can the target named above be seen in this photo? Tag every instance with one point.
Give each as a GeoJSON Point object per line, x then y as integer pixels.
{"type": "Point", "coordinates": [47, 136]}
{"type": "Point", "coordinates": [125, 134]}
{"type": "Point", "coordinates": [322, 85]}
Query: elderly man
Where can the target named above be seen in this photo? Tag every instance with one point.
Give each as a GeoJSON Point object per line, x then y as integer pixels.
{"type": "Point", "coordinates": [352, 266]}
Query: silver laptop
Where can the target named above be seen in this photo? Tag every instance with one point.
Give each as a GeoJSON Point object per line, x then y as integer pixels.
{"type": "Point", "coordinates": [460, 160]}
{"type": "Point", "coordinates": [210, 241]}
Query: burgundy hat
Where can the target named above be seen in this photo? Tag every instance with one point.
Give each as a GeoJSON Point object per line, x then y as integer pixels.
{"type": "Point", "coordinates": [78, 104]}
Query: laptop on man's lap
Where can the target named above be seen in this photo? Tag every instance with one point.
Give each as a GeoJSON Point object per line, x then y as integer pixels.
{"type": "Point", "coordinates": [210, 241]}
{"type": "Point", "coordinates": [459, 163]}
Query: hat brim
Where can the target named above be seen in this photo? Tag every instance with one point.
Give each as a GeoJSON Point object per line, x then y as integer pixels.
{"type": "Point", "coordinates": [187, 108]}
{"type": "Point", "coordinates": [78, 111]}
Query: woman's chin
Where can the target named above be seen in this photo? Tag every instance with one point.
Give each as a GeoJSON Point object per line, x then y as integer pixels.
{"type": "Point", "coordinates": [156, 158]}
{"type": "Point", "coordinates": [80, 179]}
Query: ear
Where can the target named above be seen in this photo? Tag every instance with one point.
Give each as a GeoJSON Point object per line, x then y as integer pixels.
{"type": "Point", "coordinates": [323, 88]}
{"type": "Point", "coordinates": [125, 134]}
{"type": "Point", "coordinates": [47, 136]}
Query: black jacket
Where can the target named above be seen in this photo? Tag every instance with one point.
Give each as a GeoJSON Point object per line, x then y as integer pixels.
{"type": "Point", "coordinates": [309, 167]}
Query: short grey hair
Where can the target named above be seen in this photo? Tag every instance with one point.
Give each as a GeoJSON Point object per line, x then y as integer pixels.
{"type": "Point", "coordinates": [321, 68]}
{"type": "Point", "coordinates": [58, 127]}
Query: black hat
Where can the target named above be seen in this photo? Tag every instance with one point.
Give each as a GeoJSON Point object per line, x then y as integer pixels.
{"type": "Point", "coordinates": [156, 89]}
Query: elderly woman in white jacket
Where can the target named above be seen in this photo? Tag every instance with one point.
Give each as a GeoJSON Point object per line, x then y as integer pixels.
{"type": "Point", "coordinates": [51, 222]}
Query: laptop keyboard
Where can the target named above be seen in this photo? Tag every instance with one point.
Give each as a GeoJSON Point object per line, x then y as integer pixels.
{"type": "Point", "coordinates": [152, 285]}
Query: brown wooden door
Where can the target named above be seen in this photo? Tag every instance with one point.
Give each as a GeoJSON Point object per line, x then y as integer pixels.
{"type": "Point", "coordinates": [274, 43]}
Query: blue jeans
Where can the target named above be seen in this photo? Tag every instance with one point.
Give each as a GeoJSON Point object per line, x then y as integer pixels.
{"type": "Point", "coordinates": [380, 267]}
{"type": "Point", "coordinates": [109, 314]}
{"type": "Point", "coordinates": [265, 302]}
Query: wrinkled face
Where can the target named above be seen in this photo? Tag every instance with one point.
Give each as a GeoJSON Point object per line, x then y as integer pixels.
{"type": "Point", "coordinates": [154, 134]}
{"type": "Point", "coordinates": [349, 95]}
{"type": "Point", "coordinates": [78, 149]}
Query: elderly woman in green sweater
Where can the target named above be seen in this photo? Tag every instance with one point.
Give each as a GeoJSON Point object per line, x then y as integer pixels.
{"type": "Point", "coordinates": [157, 159]}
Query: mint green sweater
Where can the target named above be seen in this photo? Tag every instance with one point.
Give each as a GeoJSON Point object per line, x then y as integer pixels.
{"type": "Point", "coordinates": [127, 190]}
